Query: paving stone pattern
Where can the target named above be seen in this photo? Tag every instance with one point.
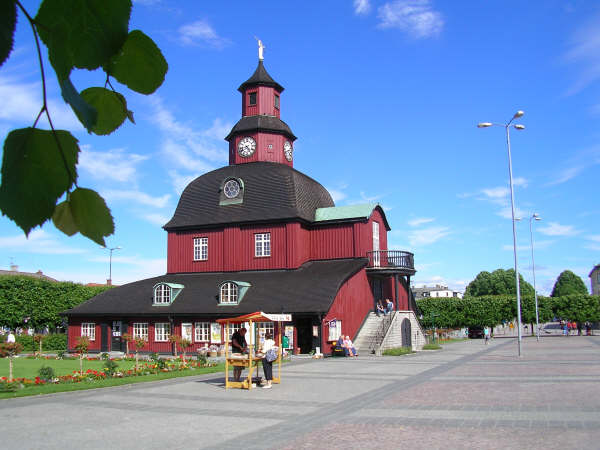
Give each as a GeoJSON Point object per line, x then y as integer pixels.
{"type": "Point", "coordinates": [466, 396]}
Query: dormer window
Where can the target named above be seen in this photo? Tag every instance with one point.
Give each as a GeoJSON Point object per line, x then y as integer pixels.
{"type": "Point", "coordinates": [165, 293]}
{"type": "Point", "coordinates": [232, 292]}
{"type": "Point", "coordinates": [252, 99]}
{"type": "Point", "coordinates": [231, 192]}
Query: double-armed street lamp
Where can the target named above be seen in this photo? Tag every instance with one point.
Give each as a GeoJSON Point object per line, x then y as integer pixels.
{"type": "Point", "coordinates": [507, 127]}
{"type": "Point", "coordinates": [111, 250]}
{"type": "Point", "coordinates": [534, 216]}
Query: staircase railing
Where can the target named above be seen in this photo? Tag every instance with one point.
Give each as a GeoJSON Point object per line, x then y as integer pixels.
{"type": "Point", "coordinates": [381, 332]}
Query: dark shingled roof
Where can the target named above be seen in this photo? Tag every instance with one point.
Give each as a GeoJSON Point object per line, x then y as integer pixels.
{"type": "Point", "coordinates": [260, 77]}
{"type": "Point", "coordinates": [263, 123]}
{"type": "Point", "coordinates": [311, 288]}
{"type": "Point", "coordinates": [272, 192]}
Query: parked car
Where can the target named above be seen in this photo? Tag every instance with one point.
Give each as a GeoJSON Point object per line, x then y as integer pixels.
{"type": "Point", "coordinates": [475, 332]}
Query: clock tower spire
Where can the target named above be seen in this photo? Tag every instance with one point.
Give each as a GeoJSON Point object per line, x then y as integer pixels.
{"type": "Point", "coordinates": [260, 135]}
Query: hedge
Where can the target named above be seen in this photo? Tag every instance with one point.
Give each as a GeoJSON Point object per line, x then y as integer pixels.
{"type": "Point", "coordinates": [52, 341]}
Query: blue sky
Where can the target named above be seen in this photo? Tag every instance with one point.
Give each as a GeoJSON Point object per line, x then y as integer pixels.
{"type": "Point", "coordinates": [384, 97]}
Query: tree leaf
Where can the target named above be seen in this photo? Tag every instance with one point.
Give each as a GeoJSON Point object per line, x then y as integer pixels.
{"type": "Point", "coordinates": [111, 107]}
{"type": "Point", "coordinates": [91, 215]}
{"type": "Point", "coordinates": [8, 24]}
{"type": "Point", "coordinates": [83, 34]}
{"type": "Point", "coordinates": [63, 219]}
{"type": "Point", "coordinates": [86, 114]}
{"type": "Point", "coordinates": [140, 64]}
{"type": "Point", "coordinates": [35, 174]}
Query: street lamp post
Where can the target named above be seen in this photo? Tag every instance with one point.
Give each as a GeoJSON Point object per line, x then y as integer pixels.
{"type": "Point", "coordinates": [507, 126]}
{"type": "Point", "coordinates": [534, 216]}
{"type": "Point", "coordinates": [111, 250]}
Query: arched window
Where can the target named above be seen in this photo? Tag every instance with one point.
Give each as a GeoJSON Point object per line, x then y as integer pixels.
{"type": "Point", "coordinates": [229, 293]}
{"type": "Point", "coordinates": [162, 294]}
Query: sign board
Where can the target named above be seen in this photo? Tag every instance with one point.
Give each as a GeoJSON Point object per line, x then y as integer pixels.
{"type": "Point", "coordinates": [279, 317]}
{"type": "Point", "coordinates": [289, 334]}
{"type": "Point", "coordinates": [215, 333]}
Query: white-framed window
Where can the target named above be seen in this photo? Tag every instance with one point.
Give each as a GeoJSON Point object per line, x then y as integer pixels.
{"type": "Point", "coordinates": [140, 330]}
{"type": "Point", "coordinates": [162, 330]}
{"type": "Point", "coordinates": [229, 293]}
{"type": "Point", "coordinates": [89, 329]}
{"type": "Point", "coordinates": [202, 332]}
{"type": "Point", "coordinates": [186, 331]}
{"type": "Point", "coordinates": [335, 330]}
{"type": "Point", "coordinates": [262, 244]}
{"type": "Point", "coordinates": [232, 328]}
{"type": "Point", "coordinates": [264, 328]}
{"type": "Point", "coordinates": [200, 249]}
{"type": "Point", "coordinates": [162, 294]}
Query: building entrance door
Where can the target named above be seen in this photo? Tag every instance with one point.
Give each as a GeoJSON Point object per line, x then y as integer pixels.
{"type": "Point", "coordinates": [116, 336]}
{"type": "Point", "coordinates": [406, 333]}
{"type": "Point", "coordinates": [305, 338]}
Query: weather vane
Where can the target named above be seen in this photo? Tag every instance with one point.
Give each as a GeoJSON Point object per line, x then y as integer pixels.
{"type": "Point", "coordinates": [261, 48]}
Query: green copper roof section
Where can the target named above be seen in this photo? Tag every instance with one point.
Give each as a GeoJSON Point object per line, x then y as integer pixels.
{"type": "Point", "coordinates": [344, 212]}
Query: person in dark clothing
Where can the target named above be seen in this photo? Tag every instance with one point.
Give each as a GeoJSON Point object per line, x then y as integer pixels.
{"type": "Point", "coordinates": [238, 345]}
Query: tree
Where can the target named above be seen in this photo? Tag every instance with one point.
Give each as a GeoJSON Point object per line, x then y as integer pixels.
{"type": "Point", "coordinates": [82, 346]}
{"type": "Point", "coordinates": [139, 344]}
{"type": "Point", "coordinates": [568, 283]}
{"type": "Point", "coordinates": [184, 344]}
{"type": "Point", "coordinates": [499, 282]}
{"type": "Point", "coordinates": [39, 167]}
{"type": "Point", "coordinates": [10, 350]}
{"type": "Point", "coordinates": [127, 338]}
{"type": "Point", "coordinates": [174, 339]}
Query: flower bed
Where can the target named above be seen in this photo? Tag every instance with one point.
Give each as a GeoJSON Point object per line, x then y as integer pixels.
{"type": "Point", "coordinates": [91, 375]}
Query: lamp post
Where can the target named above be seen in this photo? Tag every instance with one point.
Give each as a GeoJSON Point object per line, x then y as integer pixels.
{"type": "Point", "coordinates": [534, 216]}
{"type": "Point", "coordinates": [111, 250]}
{"type": "Point", "coordinates": [507, 126]}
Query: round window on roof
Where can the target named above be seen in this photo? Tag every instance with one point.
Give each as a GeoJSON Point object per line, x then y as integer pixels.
{"type": "Point", "coordinates": [231, 189]}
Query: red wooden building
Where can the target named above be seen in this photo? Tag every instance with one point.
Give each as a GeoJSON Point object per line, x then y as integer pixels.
{"type": "Point", "coordinates": [256, 235]}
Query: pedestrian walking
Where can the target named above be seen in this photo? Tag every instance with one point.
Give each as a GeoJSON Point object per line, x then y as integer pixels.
{"type": "Point", "coordinates": [486, 334]}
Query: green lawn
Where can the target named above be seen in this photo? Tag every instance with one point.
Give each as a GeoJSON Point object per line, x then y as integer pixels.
{"type": "Point", "coordinates": [28, 368]}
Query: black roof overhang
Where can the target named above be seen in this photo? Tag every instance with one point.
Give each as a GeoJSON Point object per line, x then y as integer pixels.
{"type": "Point", "coordinates": [265, 123]}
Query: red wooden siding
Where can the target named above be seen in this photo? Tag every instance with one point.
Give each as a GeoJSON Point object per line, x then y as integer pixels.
{"type": "Point", "coordinates": [180, 251]}
{"type": "Point", "coordinates": [265, 102]}
{"type": "Point", "coordinates": [363, 235]}
{"type": "Point", "coordinates": [331, 242]}
{"type": "Point", "coordinates": [262, 152]}
{"type": "Point", "coordinates": [352, 303]}
{"type": "Point", "coordinates": [74, 332]}
{"type": "Point", "coordinates": [298, 249]}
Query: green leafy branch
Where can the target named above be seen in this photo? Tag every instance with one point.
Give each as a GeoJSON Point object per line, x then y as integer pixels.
{"type": "Point", "coordinates": [40, 166]}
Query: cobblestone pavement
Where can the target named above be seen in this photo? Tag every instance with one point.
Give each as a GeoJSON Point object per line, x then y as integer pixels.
{"type": "Point", "coordinates": [468, 395]}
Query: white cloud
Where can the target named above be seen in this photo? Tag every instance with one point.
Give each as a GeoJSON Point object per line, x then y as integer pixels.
{"type": "Point", "coordinates": [580, 161]}
{"type": "Point", "coordinates": [115, 165]}
{"type": "Point", "coordinates": [594, 237]}
{"type": "Point", "coordinates": [584, 51]}
{"type": "Point", "coordinates": [39, 241]}
{"type": "Point", "coordinates": [362, 6]}
{"type": "Point", "coordinates": [426, 236]}
{"type": "Point", "coordinates": [419, 221]}
{"type": "Point", "coordinates": [180, 181]}
{"type": "Point", "coordinates": [156, 219]}
{"type": "Point", "coordinates": [137, 196]}
{"type": "Point", "coordinates": [124, 270]}
{"type": "Point", "coordinates": [496, 193]}
{"type": "Point", "coordinates": [201, 32]}
{"type": "Point", "coordinates": [336, 194]}
{"type": "Point", "coordinates": [556, 229]}
{"type": "Point", "coordinates": [22, 101]}
{"type": "Point", "coordinates": [506, 213]}
{"type": "Point", "coordinates": [520, 181]}
{"type": "Point", "coordinates": [566, 175]}
{"type": "Point", "coordinates": [415, 17]}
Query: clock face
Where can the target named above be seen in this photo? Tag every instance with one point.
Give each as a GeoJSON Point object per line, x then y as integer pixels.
{"type": "Point", "coordinates": [231, 189]}
{"type": "Point", "coordinates": [246, 147]}
{"type": "Point", "coordinates": [287, 150]}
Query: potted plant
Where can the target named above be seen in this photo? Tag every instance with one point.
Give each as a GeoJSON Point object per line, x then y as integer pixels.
{"type": "Point", "coordinates": [212, 351]}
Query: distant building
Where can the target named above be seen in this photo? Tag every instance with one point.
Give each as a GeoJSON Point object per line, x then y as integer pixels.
{"type": "Point", "coordinates": [14, 271]}
{"type": "Point", "coordinates": [435, 291]}
{"type": "Point", "coordinates": [595, 280]}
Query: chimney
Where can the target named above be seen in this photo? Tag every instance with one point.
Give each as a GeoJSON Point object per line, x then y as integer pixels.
{"type": "Point", "coordinates": [109, 282]}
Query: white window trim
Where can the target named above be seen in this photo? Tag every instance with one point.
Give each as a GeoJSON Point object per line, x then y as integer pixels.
{"type": "Point", "coordinates": [232, 328]}
{"type": "Point", "coordinates": [165, 331]}
{"type": "Point", "coordinates": [141, 330]}
{"type": "Point", "coordinates": [262, 245]}
{"type": "Point", "coordinates": [89, 329]}
{"type": "Point", "coordinates": [228, 291]}
{"type": "Point", "coordinates": [202, 332]}
{"type": "Point", "coordinates": [162, 294]}
{"type": "Point", "coordinates": [200, 249]}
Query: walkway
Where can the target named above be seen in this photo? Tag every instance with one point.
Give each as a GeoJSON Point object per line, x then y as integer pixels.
{"type": "Point", "coordinates": [467, 396]}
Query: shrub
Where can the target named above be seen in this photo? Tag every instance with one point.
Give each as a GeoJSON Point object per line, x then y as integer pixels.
{"type": "Point", "coordinates": [110, 367]}
{"type": "Point", "coordinates": [397, 351]}
{"type": "Point", "coordinates": [53, 341]}
{"type": "Point", "coordinates": [46, 373]}
{"type": "Point", "coordinates": [156, 359]}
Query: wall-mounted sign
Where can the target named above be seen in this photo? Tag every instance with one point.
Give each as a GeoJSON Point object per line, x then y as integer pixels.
{"type": "Point", "coordinates": [279, 317]}
{"type": "Point", "coordinates": [215, 333]}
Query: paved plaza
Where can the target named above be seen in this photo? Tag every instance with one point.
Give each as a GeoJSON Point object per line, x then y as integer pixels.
{"type": "Point", "coordinates": [466, 396]}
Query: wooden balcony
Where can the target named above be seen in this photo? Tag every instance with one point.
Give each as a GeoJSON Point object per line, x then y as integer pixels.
{"type": "Point", "coordinates": [391, 261]}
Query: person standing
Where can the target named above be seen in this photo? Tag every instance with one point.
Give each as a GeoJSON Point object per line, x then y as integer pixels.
{"type": "Point", "coordinates": [10, 339]}
{"type": "Point", "coordinates": [238, 345]}
{"type": "Point", "coordinates": [268, 344]}
{"type": "Point", "coordinates": [486, 334]}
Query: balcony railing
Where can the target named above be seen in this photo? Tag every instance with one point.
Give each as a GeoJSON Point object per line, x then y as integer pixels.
{"type": "Point", "coordinates": [390, 259]}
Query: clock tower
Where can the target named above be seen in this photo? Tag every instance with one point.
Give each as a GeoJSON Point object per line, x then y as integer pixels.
{"type": "Point", "coordinates": [260, 135]}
